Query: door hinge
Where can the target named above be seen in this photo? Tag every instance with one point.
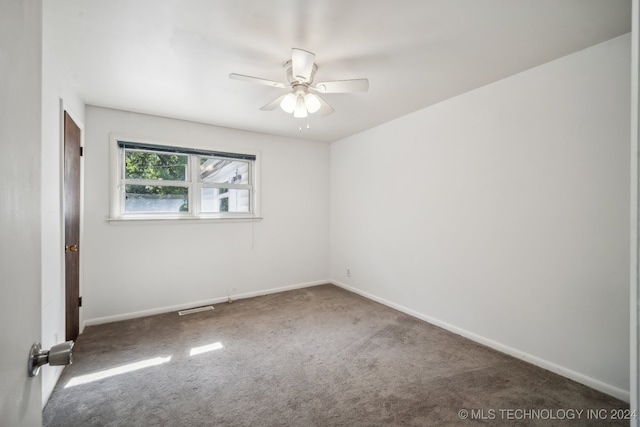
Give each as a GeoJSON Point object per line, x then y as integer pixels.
{"type": "Point", "coordinates": [81, 151]}
{"type": "Point", "coordinates": [79, 301]}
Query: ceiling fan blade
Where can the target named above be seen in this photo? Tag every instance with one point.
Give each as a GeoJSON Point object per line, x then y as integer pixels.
{"type": "Point", "coordinates": [325, 109]}
{"type": "Point", "coordinates": [343, 86]}
{"type": "Point", "coordinates": [273, 104]}
{"type": "Point", "coordinates": [271, 83]}
{"type": "Point", "coordinates": [302, 64]}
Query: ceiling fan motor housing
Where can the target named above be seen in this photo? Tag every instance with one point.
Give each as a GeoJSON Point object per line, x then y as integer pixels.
{"type": "Point", "coordinates": [288, 71]}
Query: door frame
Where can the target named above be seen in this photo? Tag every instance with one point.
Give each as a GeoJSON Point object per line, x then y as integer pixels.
{"type": "Point", "coordinates": [634, 294]}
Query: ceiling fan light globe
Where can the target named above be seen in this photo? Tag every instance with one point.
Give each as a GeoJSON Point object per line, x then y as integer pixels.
{"type": "Point", "coordinates": [288, 103]}
{"type": "Point", "coordinates": [300, 110]}
{"type": "Point", "coordinates": [312, 102]}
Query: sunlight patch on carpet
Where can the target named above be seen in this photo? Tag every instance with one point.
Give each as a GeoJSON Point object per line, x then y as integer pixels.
{"type": "Point", "coordinates": [84, 379]}
{"type": "Point", "coordinates": [205, 348]}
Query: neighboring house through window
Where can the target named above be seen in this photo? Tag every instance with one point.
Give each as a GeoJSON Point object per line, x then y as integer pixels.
{"type": "Point", "coordinates": [154, 181]}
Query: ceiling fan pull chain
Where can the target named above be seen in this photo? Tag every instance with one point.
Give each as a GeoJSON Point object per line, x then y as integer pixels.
{"type": "Point", "coordinates": [308, 126]}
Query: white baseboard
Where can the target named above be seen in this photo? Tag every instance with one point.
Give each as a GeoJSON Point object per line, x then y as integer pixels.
{"type": "Point", "coordinates": [560, 370]}
{"type": "Point", "coordinates": [168, 309]}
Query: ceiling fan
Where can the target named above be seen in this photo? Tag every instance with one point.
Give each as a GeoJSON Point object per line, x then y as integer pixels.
{"type": "Point", "coordinates": [303, 97]}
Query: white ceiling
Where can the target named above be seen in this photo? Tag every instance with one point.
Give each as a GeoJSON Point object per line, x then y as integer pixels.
{"type": "Point", "coordinates": [173, 57]}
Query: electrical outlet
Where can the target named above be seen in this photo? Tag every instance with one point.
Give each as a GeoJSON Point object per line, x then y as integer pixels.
{"type": "Point", "coordinates": [348, 272]}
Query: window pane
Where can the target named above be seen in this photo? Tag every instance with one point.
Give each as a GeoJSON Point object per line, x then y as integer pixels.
{"type": "Point", "coordinates": [216, 200]}
{"type": "Point", "coordinates": [160, 166]}
{"type": "Point", "coordinates": [219, 171]}
{"type": "Point", "coordinates": [145, 198]}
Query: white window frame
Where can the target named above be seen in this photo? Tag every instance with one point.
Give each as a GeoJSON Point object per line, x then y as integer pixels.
{"type": "Point", "coordinates": [194, 186]}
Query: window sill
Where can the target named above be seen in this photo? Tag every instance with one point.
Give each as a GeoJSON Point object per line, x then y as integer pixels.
{"type": "Point", "coordinates": [181, 220]}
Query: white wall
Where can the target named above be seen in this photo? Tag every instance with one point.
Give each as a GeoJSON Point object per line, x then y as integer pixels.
{"type": "Point", "coordinates": [141, 268]}
{"type": "Point", "coordinates": [502, 214]}
{"type": "Point", "coordinates": [57, 93]}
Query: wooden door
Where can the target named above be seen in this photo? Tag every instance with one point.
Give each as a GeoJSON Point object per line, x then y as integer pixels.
{"type": "Point", "coordinates": [72, 226]}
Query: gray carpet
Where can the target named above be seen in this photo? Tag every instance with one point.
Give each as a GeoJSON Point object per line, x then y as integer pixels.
{"type": "Point", "coordinates": [319, 356]}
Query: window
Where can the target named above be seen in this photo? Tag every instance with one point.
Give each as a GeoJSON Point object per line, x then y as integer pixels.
{"type": "Point", "coordinates": [154, 181]}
